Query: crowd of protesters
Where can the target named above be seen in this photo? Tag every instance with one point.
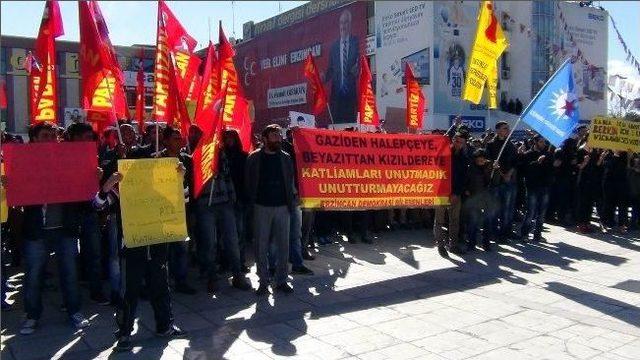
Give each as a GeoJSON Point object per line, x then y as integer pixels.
{"type": "Point", "coordinates": [253, 201]}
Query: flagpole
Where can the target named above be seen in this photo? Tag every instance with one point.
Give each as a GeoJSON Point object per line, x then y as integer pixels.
{"type": "Point", "coordinates": [504, 145]}
{"type": "Point", "coordinates": [330, 115]}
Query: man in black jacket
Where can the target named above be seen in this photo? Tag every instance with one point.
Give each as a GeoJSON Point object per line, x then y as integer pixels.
{"type": "Point", "coordinates": [459, 164]}
{"type": "Point", "coordinates": [538, 168]}
{"type": "Point", "coordinates": [271, 193]}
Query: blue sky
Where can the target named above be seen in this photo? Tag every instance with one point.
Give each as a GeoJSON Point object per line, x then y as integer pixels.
{"type": "Point", "coordinates": [134, 22]}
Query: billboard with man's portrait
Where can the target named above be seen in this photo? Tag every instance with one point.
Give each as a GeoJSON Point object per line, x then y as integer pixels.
{"type": "Point", "coordinates": [271, 66]}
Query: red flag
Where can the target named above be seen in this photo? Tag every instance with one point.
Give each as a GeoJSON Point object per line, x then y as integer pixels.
{"type": "Point", "coordinates": [103, 94]}
{"type": "Point", "coordinates": [241, 116]}
{"type": "Point", "coordinates": [319, 94]}
{"type": "Point", "coordinates": [140, 99]}
{"type": "Point", "coordinates": [366, 97]}
{"type": "Point", "coordinates": [209, 85]}
{"type": "Point", "coordinates": [416, 103]}
{"type": "Point", "coordinates": [3, 95]}
{"type": "Point", "coordinates": [43, 89]}
{"type": "Point", "coordinates": [229, 78]}
{"type": "Point", "coordinates": [206, 154]}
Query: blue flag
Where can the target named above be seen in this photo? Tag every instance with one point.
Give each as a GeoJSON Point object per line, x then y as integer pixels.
{"type": "Point", "coordinates": [553, 112]}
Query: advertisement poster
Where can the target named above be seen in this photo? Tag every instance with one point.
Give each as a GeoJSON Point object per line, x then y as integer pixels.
{"type": "Point", "coordinates": [271, 65]}
{"type": "Point", "coordinates": [589, 28]}
{"type": "Point", "coordinates": [342, 170]}
{"type": "Point", "coordinates": [402, 33]}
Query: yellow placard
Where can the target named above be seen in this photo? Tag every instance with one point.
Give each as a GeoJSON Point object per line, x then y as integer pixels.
{"type": "Point", "coordinates": [4, 209]}
{"type": "Point", "coordinates": [152, 202]}
{"type": "Point", "coordinates": [614, 134]}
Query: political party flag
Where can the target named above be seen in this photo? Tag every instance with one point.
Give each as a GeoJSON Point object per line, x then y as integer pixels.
{"type": "Point", "coordinates": [206, 154]}
{"type": "Point", "coordinates": [319, 94]}
{"type": "Point", "coordinates": [553, 112]}
{"type": "Point", "coordinates": [366, 97]}
{"type": "Point", "coordinates": [140, 99]}
{"type": "Point", "coordinates": [43, 89]}
{"type": "Point", "coordinates": [488, 45]}
{"type": "Point", "coordinates": [492, 84]}
{"type": "Point", "coordinates": [416, 103]}
{"type": "Point", "coordinates": [228, 77]}
{"type": "Point", "coordinates": [209, 85]}
{"type": "Point", "coordinates": [242, 117]}
{"type": "Point", "coordinates": [103, 94]}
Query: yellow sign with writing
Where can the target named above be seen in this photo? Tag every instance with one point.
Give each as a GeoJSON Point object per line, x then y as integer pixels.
{"type": "Point", "coordinates": [614, 134]}
{"type": "Point", "coordinates": [4, 209]}
{"type": "Point", "coordinates": [152, 202]}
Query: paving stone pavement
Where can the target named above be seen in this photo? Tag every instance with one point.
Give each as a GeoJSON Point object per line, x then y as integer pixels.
{"type": "Point", "coordinates": [572, 297]}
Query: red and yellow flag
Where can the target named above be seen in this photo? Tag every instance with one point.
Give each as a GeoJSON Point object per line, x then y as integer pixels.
{"type": "Point", "coordinates": [209, 86]}
{"type": "Point", "coordinates": [229, 78]}
{"type": "Point", "coordinates": [488, 45]}
{"type": "Point", "coordinates": [103, 94]}
{"type": "Point", "coordinates": [207, 152]}
{"type": "Point", "coordinates": [43, 89]}
{"type": "Point", "coordinates": [319, 94]}
{"type": "Point", "coordinates": [367, 99]}
{"type": "Point", "coordinates": [140, 99]}
{"type": "Point", "coordinates": [416, 103]}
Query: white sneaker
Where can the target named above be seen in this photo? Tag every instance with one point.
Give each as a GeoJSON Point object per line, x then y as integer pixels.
{"type": "Point", "coordinates": [28, 327]}
{"type": "Point", "coordinates": [79, 321]}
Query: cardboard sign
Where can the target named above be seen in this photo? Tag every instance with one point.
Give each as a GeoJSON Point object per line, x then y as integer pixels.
{"type": "Point", "coordinates": [614, 134]}
{"type": "Point", "coordinates": [50, 173]}
{"type": "Point", "coordinates": [152, 202]}
{"type": "Point", "coordinates": [344, 170]}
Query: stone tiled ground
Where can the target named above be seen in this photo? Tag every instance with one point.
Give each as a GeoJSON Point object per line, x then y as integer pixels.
{"type": "Point", "coordinates": [574, 297]}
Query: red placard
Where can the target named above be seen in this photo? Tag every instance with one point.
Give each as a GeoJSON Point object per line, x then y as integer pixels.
{"type": "Point", "coordinates": [50, 173]}
{"type": "Point", "coordinates": [341, 170]}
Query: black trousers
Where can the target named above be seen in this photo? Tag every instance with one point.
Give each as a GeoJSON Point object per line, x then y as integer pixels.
{"type": "Point", "coordinates": [148, 263]}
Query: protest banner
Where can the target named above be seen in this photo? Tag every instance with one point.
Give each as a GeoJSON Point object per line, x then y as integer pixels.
{"type": "Point", "coordinates": [341, 170]}
{"type": "Point", "coordinates": [614, 134]}
{"type": "Point", "coordinates": [152, 202]}
{"type": "Point", "coordinates": [50, 173]}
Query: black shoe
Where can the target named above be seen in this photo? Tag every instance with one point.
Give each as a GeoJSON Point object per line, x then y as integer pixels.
{"type": "Point", "coordinates": [241, 283]}
{"type": "Point", "coordinates": [173, 332]}
{"type": "Point", "coordinates": [245, 269]}
{"type": "Point", "coordinates": [367, 240]}
{"type": "Point", "coordinates": [443, 251]}
{"type": "Point", "coordinates": [263, 289]}
{"type": "Point", "coordinates": [115, 299]}
{"type": "Point", "coordinates": [100, 299]}
{"type": "Point", "coordinates": [301, 270]}
{"type": "Point", "coordinates": [272, 272]}
{"type": "Point", "coordinates": [123, 344]}
{"type": "Point", "coordinates": [284, 288]}
{"type": "Point", "coordinates": [212, 286]}
{"type": "Point", "coordinates": [306, 255]}
{"type": "Point", "coordinates": [486, 247]}
{"type": "Point", "coordinates": [471, 248]}
{"type": "Point", "coordinates": [352, 240]}
{"type": "Point", "coordinates": [184, 288]}
{"type": "Point", "coordinates": [502, 240]}
{"type": "Point", "coordinates": [457, 251]}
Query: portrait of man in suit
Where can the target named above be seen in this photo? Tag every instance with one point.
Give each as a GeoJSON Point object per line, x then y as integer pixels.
{"type": "Point", "coordinates": [342, 72]}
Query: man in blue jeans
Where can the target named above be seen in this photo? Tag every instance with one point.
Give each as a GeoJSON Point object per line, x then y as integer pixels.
{"type": "Point", "coordinates": [505, 176]}
{"type": "Point", "coordinates": [50, 227]}
{"type": "Point", "coordinates": [538, 167]}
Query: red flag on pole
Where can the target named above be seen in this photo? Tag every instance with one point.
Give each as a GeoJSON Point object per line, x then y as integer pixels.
{"type": "Point", "coordinates": [416, 103]}
{"type": "Point", "coordinates": [366, 97]}
{"type": "Point", "coordinates": [43, 89]}
{"type": "Point", "coordinates": [319, 94]}
{"type": "Point", "coordinates": [209, 86]}
{"type": "Point", "coordinates": [229, 78]}
{"type": "Point", "coordinates": [103, 94]}
{"type": "Point", "coordinates": [140, 98]}
{"type": "Point", "coordinates": [241, 116]}
{"type": "Point", "coordinates": [206, 154]}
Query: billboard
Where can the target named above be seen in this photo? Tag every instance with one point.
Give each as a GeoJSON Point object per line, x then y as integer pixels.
{"type": "Point", "coordinates": [588, 27]}
{"type": "Point", "coordinates": [271, 66]}
{"type": "Point", "coordinates": [402, 35]}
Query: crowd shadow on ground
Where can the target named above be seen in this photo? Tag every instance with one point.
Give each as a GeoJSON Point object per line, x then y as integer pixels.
{"type": "Point", "coordinates": [215, 324]}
